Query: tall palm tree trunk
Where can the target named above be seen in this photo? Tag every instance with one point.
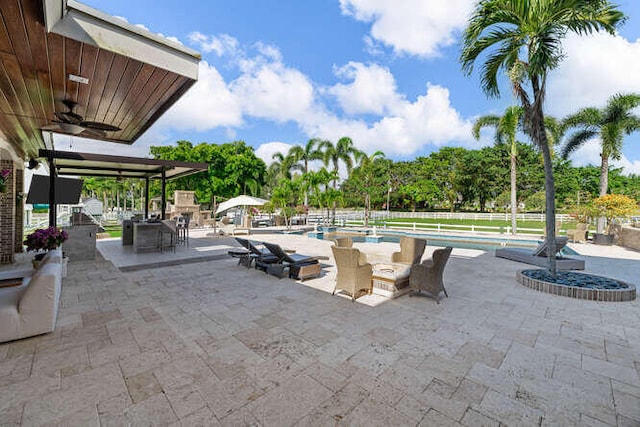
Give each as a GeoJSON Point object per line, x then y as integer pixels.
{"type": "Point", "coordinates": [514, 199]}
{"type": "Point", "coordinates": [550, 201]}
{"type": "Point", "coordinates": [539, 136]}
{"type": "Point", "coordinates": [335, 204]}
{"type": "Point", "coordinates": [604, 185]}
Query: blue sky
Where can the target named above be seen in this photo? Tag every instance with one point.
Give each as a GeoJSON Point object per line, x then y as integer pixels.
{"type": "Point", "coordinates": [385, 73]}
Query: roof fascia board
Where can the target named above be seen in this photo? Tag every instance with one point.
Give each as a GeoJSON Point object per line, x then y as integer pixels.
{"type": "Point", "coordinates": [85, 24]}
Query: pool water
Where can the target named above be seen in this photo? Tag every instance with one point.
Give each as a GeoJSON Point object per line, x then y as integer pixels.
{"type": "Point", "coordinates": [462, 242]}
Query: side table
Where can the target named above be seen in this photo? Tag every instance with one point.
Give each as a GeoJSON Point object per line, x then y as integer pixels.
{"type": "Point", "coordinates": [390, 280]}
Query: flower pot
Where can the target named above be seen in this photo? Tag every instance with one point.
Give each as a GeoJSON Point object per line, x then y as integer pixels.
{"type": "Point", "coordinates": [37, 259]}
{"type": "Point", "coordinates": [603, 239]}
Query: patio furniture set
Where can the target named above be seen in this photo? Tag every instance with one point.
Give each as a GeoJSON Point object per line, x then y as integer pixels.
{"type": "Point", "coordinates": [405, 273]}
{"type": "Point", "coordinates": [355, 276]}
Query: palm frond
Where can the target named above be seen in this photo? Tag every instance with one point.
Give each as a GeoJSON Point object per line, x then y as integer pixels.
{"type": "Point", "coordinates": [484, 121]}
{"type": "Point", "coordinates": [577, 140]}
{"type": "Point", "coordinates": [586, 117]}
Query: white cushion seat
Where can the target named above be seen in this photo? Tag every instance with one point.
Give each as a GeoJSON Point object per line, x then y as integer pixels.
{"type": "Point", "coordinates": [32, 307]}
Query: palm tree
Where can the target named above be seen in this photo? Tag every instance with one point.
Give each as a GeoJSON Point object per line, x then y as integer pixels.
{"type": "Point", "coordinates": [282, 165]}
{"type": "Point", "coordinates": [506, 129]}
{"type": "Point", "coordinates": [364, 165]}
{"type": "Point", "coordinates": [610, 124]}
{"type": "Point", "coordinates": [524, 38]}
{"type": "Point", "coordinates": [305, 155]}
{"type": "Point", "coordinates": [332, 154]}
{"type": "Point", "coordinates": [343, 151]}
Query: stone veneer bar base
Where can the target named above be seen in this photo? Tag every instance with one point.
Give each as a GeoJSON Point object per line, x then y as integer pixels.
{"type": "Point", "coordinates": [612, 295]}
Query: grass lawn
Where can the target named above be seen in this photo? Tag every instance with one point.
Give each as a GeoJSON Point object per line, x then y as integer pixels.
{"type": "Point", "coordinates": [113, 230]}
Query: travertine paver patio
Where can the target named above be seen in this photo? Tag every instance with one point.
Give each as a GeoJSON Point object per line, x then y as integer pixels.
{"type": "Point", "coordinates": [213, 343]}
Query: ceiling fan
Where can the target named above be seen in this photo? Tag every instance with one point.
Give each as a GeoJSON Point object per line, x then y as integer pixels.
{"type": "Point", "coordinates": [74, 123]}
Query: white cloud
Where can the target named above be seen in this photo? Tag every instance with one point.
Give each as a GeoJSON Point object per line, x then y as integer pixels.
{"type": "Point", "coordinates": [430, 120]}
{"type": "Point", "coordinates": [605, 65]}
{"type": "Point", "coordinates": [266, 88]}
{"type": "Point", "coordinates": [221, 44]}
{"type": "Point", "coordinates": [416, 27]}
{"type": "Point", "coordinates": [207, 105]}
{"type": "Point", "coordinates": [372, 90]}
{"type": "Point", "coordinates": [589, 154]}
{"type": "Point", "coordinates": [270, 90]}
{"type": "Point", "coordinates": [268, 149]}
{"type": "Point", "coordinates": [630, 167]}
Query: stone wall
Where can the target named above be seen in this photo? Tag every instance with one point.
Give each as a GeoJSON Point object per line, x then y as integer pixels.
{"type": "Point", "coordinates": [19, 218]}
{"type": "Point", "coordinates": [8, 214]}
{"type": "Point", "coordinates": [629, 237]}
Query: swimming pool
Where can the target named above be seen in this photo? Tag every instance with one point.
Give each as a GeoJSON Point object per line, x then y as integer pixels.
{"type": "Point", "coordinates": [442, 240]}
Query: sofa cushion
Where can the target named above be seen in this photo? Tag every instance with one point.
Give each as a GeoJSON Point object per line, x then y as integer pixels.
{"type": "Point", "coordinates": [392, 271]}
{"type": "Point", "coordinates": [9, 316]}
{"type": "Point", "coordinates": [31, 308]}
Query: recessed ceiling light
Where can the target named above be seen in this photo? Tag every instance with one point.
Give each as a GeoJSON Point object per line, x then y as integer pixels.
{"type": "Point", "coordinates": [78, 79]}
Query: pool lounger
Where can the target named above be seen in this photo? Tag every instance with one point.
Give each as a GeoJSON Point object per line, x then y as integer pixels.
{"type": "Point", "coordinates": [526, 256]}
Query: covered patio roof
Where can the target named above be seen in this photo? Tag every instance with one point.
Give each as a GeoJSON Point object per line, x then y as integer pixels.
{"type": "Point", "coordinates": [56, 53]}
{"type": "Point", "coordinates": [88, 164]}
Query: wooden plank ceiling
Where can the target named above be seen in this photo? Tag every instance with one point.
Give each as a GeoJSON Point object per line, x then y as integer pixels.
{"type": "Point", "coordinates": [34, 70]}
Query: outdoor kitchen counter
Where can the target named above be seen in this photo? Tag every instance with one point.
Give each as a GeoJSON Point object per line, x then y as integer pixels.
{"type": "Point", "coordinates": [145, 236]}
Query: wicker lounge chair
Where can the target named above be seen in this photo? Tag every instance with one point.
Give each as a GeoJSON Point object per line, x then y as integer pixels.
{"type": "Point", "coordinates": [343, 242]}
{"type": "Point", "coordinates": [539, 255]}
{"type": "Point", "coordinates": [578, 234]}
{"type": "Point", "coordinates": [411, 250]}
{"type": "Point", "coordinates": [295, 262]}
{"type": "Point", "coordinates": [427, 276]}
{"type": "Point", "coordinates": [354, 273]}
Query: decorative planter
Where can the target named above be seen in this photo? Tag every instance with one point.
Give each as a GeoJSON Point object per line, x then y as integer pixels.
{"type": "Point", "coordinates": [623, 291]}
{"type": "Point", "coordinates": [603, 239]}
{"type": "Point", "coordinates": [37, 259]}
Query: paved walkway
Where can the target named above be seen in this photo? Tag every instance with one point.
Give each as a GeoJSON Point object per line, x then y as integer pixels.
{"type": "Point", "coordinates": [213, 343]}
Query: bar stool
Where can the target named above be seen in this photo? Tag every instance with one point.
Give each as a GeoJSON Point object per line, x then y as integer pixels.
{"type": "Point", "coordinates": [182, 229]}
{"type": "Point", "coordinates": [167, 236]}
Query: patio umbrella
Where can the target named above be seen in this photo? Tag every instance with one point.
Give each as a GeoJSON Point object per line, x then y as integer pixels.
{"type": "Point", "coordinates": [240, 201]}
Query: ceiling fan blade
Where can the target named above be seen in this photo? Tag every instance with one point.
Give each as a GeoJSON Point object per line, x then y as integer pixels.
{"type": "Point", "coordinates": [94, 132]}
{"type": "Point", "coordinates": [69, 117]}
{"type": "Point", "coordinates": [99, 126]}
{"type": "Point", "coordinates": [50, 127]}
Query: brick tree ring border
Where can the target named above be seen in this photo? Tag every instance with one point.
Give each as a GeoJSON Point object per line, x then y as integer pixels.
{"type": "Point", "coordinates": [627, 293]}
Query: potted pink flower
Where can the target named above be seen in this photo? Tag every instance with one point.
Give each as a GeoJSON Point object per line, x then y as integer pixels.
{"type": "Point", "coordinates": [44, 239]}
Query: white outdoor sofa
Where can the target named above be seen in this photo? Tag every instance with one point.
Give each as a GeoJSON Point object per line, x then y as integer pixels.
{"type": "Point", "coordinates": [32, 308]}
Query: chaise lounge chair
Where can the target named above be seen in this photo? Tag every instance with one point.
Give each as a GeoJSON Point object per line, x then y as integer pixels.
{"type": "Point", "coordinates": [539, 255]}
{"type": "Point", "coordinates": [300, 266]}
{"type": "Point", "coordinates": [261, 256]}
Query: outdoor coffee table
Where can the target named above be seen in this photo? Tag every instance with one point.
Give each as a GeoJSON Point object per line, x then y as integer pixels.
{"type": "Point", "coordinates": [390, 279]}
